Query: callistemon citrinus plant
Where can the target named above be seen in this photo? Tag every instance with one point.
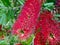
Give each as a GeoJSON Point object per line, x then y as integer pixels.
{"type": "Point", "coordinates": [36, 23]}
{"type": "Point", "coordinates": [47, 30]}
{"type": "Point", "coordinates": [27, 20]}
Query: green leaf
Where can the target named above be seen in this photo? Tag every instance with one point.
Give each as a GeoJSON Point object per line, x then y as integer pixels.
{"type": "Point", "coordinates": [57, 15]}
{"type": "Point", "coordinates": [21, 2]}
{"type": "Point", "coordinates": [28, 41]}
{"type": "Point", "coordinates": [48, 6]}
{"type": "Point", "coordinates": [10, 13]}
{"type": "Point", "coordinates": [3, 42]}
{"type": "Point", "coordinates": [13, 39]}
{"type": "Point", "coordinates": [48, 1]}
{"type": "Point", "coordinates": [6, 3]}
{"type": "Point", "coordinates": [3, 19]}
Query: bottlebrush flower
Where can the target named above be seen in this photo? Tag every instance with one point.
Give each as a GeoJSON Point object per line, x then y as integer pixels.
{"type": "Point", "coordinates": [37, 39]}
{"type": "Point", "coordinates": [50, 32]}
{"type": "Point", "coordinates": [55, 30]}
{"type": "Point", "coordinates": [43, 28]}
{"type": "Point", "coordinates": [27, 20]}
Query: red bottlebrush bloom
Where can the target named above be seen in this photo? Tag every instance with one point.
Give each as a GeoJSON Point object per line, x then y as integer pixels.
{"type": "Point", "coordinates": [43, 28]}
{"type": "Point", "coordinates": [49, 32]}
{"type": "Point", "coordinates": [37, 39]}
{"type": "Point", "coordinates": [55, 30]}
{"type": "Point", "coordinates": [27, 20]}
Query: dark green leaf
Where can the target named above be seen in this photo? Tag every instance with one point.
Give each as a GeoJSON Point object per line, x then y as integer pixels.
{"type": "Point", "coordinates": [6, 3]}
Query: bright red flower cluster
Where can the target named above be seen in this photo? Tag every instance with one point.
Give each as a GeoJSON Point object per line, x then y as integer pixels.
{"type": "Point", "coordinates": [27, 20]}
{"type": "Point", "coordinates": [49, 33]}
{"type": "Point", "coordinates": [47, 30]}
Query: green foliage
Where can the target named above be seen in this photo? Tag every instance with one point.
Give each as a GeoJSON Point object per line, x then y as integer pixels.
{"type": "Point", "coordinates": [21, 2]}
{"type": "Point", "coordinates": [13, 39]}
{"type": "Point", "coordinates": [9, 10]}
{"type": "Point", "coordinates": [48, 6]}
{"type": "Point", "coordinates": [28, 41]}
{"type": "Point", "coordinates": [4, 42]}
{"type": "Point", "coordinates": [6, 2]}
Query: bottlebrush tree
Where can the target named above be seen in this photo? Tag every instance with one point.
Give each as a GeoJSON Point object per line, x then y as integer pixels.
{"type": "Point", "coordinates": [29, 22]}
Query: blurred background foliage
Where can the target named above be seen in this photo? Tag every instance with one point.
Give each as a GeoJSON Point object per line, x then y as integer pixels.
{"type": "Point", "coordinates": [9, 10]}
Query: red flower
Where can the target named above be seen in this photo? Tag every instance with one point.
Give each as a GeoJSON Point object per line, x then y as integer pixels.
{"type": "Point", "coordinates": [27, 20]}
{"type": "Point", "coordinates": [49, 30]}
{"type": "Point", "coordinates": [37, 39]}
{"type": "Point", "coordinates": [43, 27]}
{"type": "Point", "coordinates": [55, 30]}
